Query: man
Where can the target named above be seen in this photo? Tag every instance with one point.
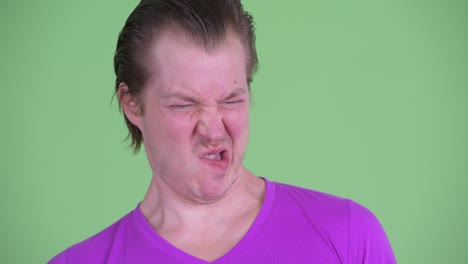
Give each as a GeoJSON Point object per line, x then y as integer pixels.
{"type": "Point", "coordinates": [183, 73]}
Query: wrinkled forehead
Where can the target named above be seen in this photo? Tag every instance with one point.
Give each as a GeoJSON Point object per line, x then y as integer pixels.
{"type": "Point", "coordinates": [181, 66]}
{"type": "Point", "coordinates": [178, 48]}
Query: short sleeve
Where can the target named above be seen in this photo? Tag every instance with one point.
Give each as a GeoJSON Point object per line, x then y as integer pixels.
{"type": "Point", "coordinates": [59, 259]}
{"type": "Point", "coordinates": [368, 243]}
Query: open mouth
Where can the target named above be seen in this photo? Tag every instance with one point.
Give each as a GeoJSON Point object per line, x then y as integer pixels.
{"type": "Point", "coordinates": [216, 156]}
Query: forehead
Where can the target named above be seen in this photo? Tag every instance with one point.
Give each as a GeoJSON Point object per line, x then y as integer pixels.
{"type": "Point", "coordinates": [176, 61]}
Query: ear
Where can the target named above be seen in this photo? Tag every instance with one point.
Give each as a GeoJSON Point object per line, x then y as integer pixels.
{"type": "Point", "coordinates": [130, 105]}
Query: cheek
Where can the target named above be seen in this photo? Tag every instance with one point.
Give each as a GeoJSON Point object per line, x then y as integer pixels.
{"type": "Point", "coordinates": [179, 126]}
{"type": "Point", "coordinates": [237, 123]}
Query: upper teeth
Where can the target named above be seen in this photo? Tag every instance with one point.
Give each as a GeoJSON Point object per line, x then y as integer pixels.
{"type": "Point", "coordinates": [213, 156]}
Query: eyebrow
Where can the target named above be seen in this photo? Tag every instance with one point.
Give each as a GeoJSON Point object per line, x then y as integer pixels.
{"type": "Point", "coordinates": [183, 96]}
{"type": "Point", "coordinates": [237, 92]}
{"type": "Point", "coordinates": [177, 95]}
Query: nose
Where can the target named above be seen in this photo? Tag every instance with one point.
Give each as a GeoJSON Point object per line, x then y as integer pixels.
{"type": "Point", "coordinates": [211, 126]}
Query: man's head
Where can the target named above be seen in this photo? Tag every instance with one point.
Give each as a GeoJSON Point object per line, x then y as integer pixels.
{"type": "Point", "coordinates": [207, 23]}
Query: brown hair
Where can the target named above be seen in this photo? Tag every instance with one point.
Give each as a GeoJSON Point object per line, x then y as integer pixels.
{"type": "Point", "coordinates": [206, 21]}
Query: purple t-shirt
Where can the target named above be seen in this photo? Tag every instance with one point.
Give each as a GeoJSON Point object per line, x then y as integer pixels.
{"type": "Point", "coordinates": [294, 225]}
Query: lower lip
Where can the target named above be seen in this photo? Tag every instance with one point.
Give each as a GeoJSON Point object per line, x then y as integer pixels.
{"type": "Point", "coordinates": [219, 164]}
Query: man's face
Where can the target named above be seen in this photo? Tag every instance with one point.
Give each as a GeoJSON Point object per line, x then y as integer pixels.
{"type": "Point", "coordinates": [196, 115]}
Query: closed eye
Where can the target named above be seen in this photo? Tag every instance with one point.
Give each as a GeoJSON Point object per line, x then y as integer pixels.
{"type": "Point", "coordinates": [180, 106]}
{"type": "Point", "coordinates": [234, 102]}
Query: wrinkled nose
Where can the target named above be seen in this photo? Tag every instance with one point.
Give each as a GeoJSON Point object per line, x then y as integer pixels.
{"type": "Point", "coordinates": [211, 127]}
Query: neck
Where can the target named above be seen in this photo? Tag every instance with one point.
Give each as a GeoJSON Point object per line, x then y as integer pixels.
{"type": "Point", "coordinates": [165, 210]}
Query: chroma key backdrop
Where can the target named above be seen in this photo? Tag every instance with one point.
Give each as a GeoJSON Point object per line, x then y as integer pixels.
{"type": "Point", "coordinates": [362, 99]}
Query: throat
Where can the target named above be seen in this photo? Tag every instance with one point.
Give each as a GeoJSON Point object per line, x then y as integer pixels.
{"type": "Point", "coordinates": [206, 231]}
{"type": "Point", "coordinates": [208, 243]}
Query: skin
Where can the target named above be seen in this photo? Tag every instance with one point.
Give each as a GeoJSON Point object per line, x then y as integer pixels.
{"type": "Point", "coordinates": [195, 126]}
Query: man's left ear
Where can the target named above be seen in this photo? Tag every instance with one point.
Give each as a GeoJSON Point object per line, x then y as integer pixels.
{"type": "Point", "coordinates": [130, 105]}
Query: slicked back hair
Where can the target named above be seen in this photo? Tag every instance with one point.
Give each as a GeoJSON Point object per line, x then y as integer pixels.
{"type": "Point", "coordinates": [206, 22]}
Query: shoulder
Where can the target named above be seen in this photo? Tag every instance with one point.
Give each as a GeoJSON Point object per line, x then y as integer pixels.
{"type": "Point", "coordinates": [341, 221]}
{"type": "Point", "coordinates": [319, 204]}
{"type": "Point", "coordinates": [322, 204]}
{"type": "Point", "coordinates": [326, 213]}
{"type": "Point", "coordinates": [310, 195]}
{"type": "Point", "coordinates": [95, 248]}
{"type": "Point", "coordinates": [367, 238]}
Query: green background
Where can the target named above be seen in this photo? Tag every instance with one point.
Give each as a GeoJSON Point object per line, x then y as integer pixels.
{"type": "Point", "coordinates": [362, 99]}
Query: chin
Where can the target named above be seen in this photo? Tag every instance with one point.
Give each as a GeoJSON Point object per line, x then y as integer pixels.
{"type": "Point", "coordinates": [214, 189]}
